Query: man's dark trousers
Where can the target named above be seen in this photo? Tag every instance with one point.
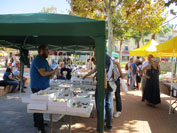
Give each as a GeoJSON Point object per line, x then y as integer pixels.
{"type": "Point", "coordinates": [38, 117]}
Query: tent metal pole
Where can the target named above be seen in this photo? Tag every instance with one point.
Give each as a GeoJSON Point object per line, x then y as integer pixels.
{"type": "Point", "coordinates": [171, 87]}
{"type": "Point", "coordinates": [21, 76]}
{"type": "Point", "coordinates": [100, 49]}
{"type": "Point", "coordinates": [22, 65]}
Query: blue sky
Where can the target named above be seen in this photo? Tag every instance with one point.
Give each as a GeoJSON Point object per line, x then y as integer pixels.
{"type": "Point", "coordinates": [32, 6]}
{"type": "Point", "coordinates": [35, 6]}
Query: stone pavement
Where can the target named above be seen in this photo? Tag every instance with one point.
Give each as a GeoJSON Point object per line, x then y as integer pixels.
{"type": "Point", "coordinates": [136, 117]}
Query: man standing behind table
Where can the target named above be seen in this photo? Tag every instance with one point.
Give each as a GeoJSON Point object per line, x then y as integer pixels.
{"type": "Point", "coordinates": [40, 73]}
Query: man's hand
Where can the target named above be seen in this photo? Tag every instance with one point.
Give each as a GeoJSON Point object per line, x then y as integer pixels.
{"type": "Point", "coordinates": [84, 77]}
{"type": "Point", "coordinates": [148, 77]}
{"type": "Point", "coordinates": [94, 78]}
{"type": "Point", "coordinates": [51, 76]}
{"type": "Point", "coordinates": [122, 76]}
{"type": "Point", "coordinates": [56, 70]}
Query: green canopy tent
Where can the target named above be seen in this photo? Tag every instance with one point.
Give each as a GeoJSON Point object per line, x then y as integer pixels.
{"type": "Point", "coordinates": [116, 55]}
{"type": "Point", "coordinates": [59, 32]}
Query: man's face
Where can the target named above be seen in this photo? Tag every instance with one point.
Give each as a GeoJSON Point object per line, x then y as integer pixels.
{"type": "Point", "coordinates": [150, 58]}
{"type": "Point", "coordinates": [143, 59]}
{"type": "Point", "coordinates": [45, 52]}
{"type": "Point", "coordinates": [94, 62]}
{"type": "Point", "coordinates": [137, 61]}
{"type": "Point", "coordinates": [69, 61]}
{"type": "Point", "coordinates": [131, 60]}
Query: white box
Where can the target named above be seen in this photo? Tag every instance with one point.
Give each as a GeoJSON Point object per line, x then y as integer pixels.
{"type": "Point", "coordinates": [78, 110]}
{"type": "Point", "coordinates": [57, 106]}
{"type": "Point", "coordinates": [83, 97]}
{"type": "Point", "coordinates": [26, 99]}
{"type": "Point", "coordinates": [175, 93]}
{"type": "Point", "coordinates": [37, 106]}
{"type": "Point", "coordinates": [39, 97]}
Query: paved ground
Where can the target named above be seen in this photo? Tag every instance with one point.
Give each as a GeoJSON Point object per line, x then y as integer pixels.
{"type": "Point", "coordinates": [136, 117]}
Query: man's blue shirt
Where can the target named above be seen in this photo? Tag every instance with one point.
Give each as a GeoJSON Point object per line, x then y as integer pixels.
{"type": "Point", "coordinates": [38, 81]}
{"type": "Point", "coordinates": [134, 67]}
{"type": "Point", "coordinates": [6, 76]}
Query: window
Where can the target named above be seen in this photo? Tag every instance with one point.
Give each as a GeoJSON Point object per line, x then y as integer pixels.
{"type": "Point", "coordinates": [126, 48]}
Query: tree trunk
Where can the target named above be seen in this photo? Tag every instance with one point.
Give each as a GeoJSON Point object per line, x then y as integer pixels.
{"type": "Point", "coordinates": [110, 29]}
{"type": "Point", "coordinates": [138, 43]}
{"type": "Point", "coordinates": [153, 36]}
{"type": "Point", "coordinates": [142, 35]}
{"type": "Point", "coordinates": [120, 58]}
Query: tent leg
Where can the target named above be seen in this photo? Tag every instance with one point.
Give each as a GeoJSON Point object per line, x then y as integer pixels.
{"type": "Point", "coordinates": [21, 76]}
{"type": "Point", "coordinates": [100, 65]}
{"type": "Point", "coordinates": [171, 87]}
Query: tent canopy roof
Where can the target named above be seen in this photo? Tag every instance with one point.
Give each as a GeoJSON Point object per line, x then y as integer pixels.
{"type": "Point", "coordinates": [168, 46]}
{"type": "Point", "coordinates": [161, 50]}
{"type": "Point", "coordinates": [60, 32]}
{"type": "Point", "coordinates": [57, 31]}
{"type": "Point", "coordinates": [148, 48]}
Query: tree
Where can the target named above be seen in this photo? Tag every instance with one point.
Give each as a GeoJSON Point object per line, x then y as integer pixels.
{"type": "Point", "coordinates": [166, 29]}
{"type": "Point", "coordinates": [121, 30]}
{"type": "Point", "coordinates": [96, 9]}
{"type": "Point", "coordinates": [171, 2]}
{"type": "Point", "coordinates": [137, 37]}
{"type": "Point", "coordinates": [144, 15]}
{"type": "Point", "coordinates": [51, 9]}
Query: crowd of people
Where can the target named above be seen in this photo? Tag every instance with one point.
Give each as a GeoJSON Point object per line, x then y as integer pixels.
{"type": "Point", "coordinates": [41, 73]}
{"type": "Point", "coordinates": [141, 74]}
{"type": "Point", "coordinates": [144, 75]}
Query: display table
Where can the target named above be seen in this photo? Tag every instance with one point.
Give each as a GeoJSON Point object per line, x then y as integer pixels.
{"type": "Point", "coordinates": [64, 113]}
{"type": "Point", "coordinates": [63, 98]}
{"type": "Point", "coordinates": [165, 87]}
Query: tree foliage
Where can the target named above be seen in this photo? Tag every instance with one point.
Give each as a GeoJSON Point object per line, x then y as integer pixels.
{"type": "Point", "coordinates": [171, 2]}
{"type": "Point", "coordinates": [121, 29]}
{"type": "Point", "coordinates": [144, 15]}
{"type": "Point", "coordinates": [96, 9]}
{"type": "Point", "coordinates": [166, 29]}
{"type": "Point", "coordinates": [51, 9]}
{"type": "Point", "coordinates": [88, 8]}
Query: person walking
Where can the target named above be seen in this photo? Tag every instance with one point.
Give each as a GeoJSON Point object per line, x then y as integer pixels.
{"type": "Point", "coordinates": [133, 73]}
{"type": "Point", "coordinates": [138, 74]}
{"type": "Point", "coordinates": [40, 73]}
{"type": "Point", "coordinates": [128, 71]}
{"type": "Point", "coordinates": [152, 90]}
{"type": "Point", "coordinates": [143, 73]}
{"type": "Point", "coordinates": [107, 97]}
{"type": "Point", "coordinates": [119, 75]}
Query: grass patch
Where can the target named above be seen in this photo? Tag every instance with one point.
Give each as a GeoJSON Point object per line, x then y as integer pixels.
{"type": "Point", "coordinates": [163, 72]}
{"type": "Point", "coordinates": [122, 64]}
